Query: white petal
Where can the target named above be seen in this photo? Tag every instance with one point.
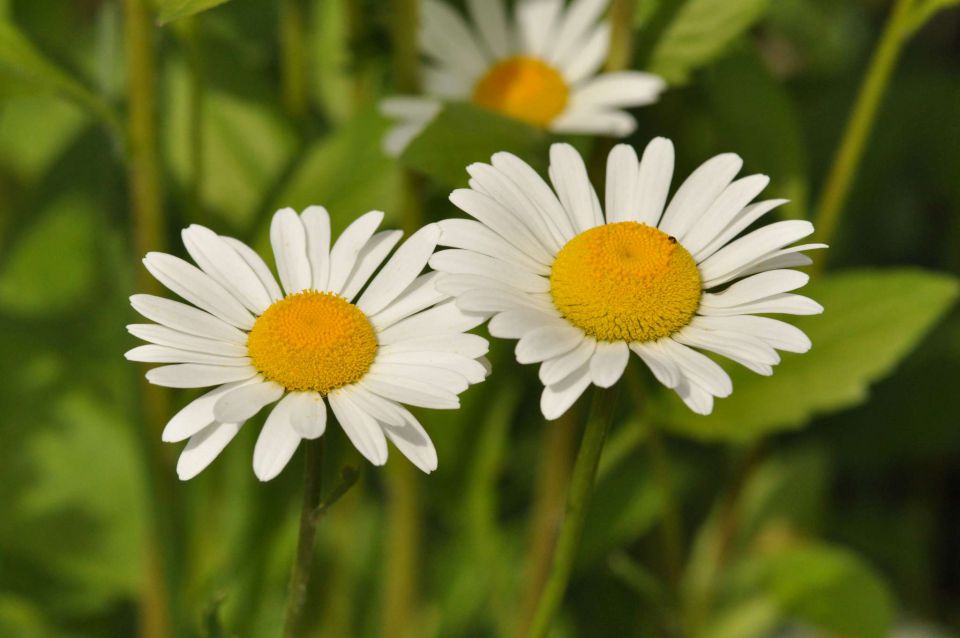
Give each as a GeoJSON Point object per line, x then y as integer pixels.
{"type": "Point", "coordinates": [344, 254]}
{"type": "Point", "coordinates": [577, 20]}
{"type": "Point", "coordinates": [547, 342]}
{"type": "Point", "coordinates": [179, 316]}
{"type": "Point", "coordinates": [490, 213]}
{"type": "Point", "coordinates": [757, 287]}
{"type": "Point", "coordinates": [696, 398]}
{"type": "Point", "coordinates": [361, 428]}
{"type": "Point", "coordinates": [447, 83]}
{"type": "Point", "coordinates": [445, 37]}
{"type": "Point", "coordinates": [753, 246]}
{"type": "Point", "coordinates": [399, 137]}
{"type": "Point", "coordinates": [591, 56]}
{"type": "Point", "coordinates": [239, 404]}
{"type": "Point", "coordinates": [656, 171]}
{"type": "Point", "coordinates": [412, 441]}
{"type": "Point", "coordinates": [198, 288]}
{"type": "Point", "coordinates": [164, 336]}
{"type": "Point", "coordinates": [409, 107]}
{"type": "Point", "coordinates": [369, 259]}
{"type": "Point", "coordinates": [491, 300]}
{"type": "Point", "coordinates": [623, 180]}
{"type": "Point", "coordinates": [410, 392]}
{"type": "Point", "coordinates": [553, 371]}
{"type": "Point", "coordinates": [463, 366]}
{"type": "Point", "coordinates": [609, 362]}
{"type": "Point", "coordinates": [276, 444]}
{"type": "Point", "coordinates": [594, 121]}
{"type": "Point", "coordinates": [557, 399]}
{"type": "Point", "coordinates": [439, 378]}
{"type": "Point", "coordinates": [398, 273]}
{"type": "Point", "coordinates": [740, 222]}
{"type": "Point", "coordinates": [778, 334]}
{"type": "Point", "coordinates": [259, 266]}
{"type": "Point", "coordinates": [543, 199]}
{"type": "Point", "coordinates": [698, 368]}
{"type": "Point", "coordinates": [513, 324]}
{"type": "Point", "coordinates": [746, 350]}
{"type": "Point", "coordinates": [537, 20]}
{"type": "Point", "coordinates": [467, 262]}
{"type": "Point", "coordinates": [419, 295]}
{"type": "Point", "coordinates": [196, 415]}
{"type": "Point", "coordinates": [663, 367]}
{"type": "Point", "coordinates": [308, 414]}
{"type": "Point", "coordinates": [622, 89]}
{"type": "Point", "coordinates": [316, 224]}
{"type": "Point", "coordinates": [698, 192]}
{"type": "Point", "coordinates": [569, 176]}
{"type": "Point", "coordinates": [289, 240]}
{"type": "Point", "coordinates": [777, 304]}
{"type": "Point", "coordinates": [472, 235]}
{"type": "Point", "coordinates": [166, 354]}
{"type": "Point", "coordinates": [203, 448]}
{"type": "Point", "coordinates": [467, 345]}
{"type": "Point", "coordinates": [490, 17]}
{"type": "Point", "coordinates": [219, 260]}
{"type": "Point", "coordinates": [457, 285]}
{"type": "Point", "coordinates": [442, 319]}
{"type": "Point", "coordinates": [777, 260]}
{"type": "Point", "coordinates": [723, 211]}
{"type": "Point", "coordinates": [383, 410]}
{"type": "Point", "coordinates": [195, 375]}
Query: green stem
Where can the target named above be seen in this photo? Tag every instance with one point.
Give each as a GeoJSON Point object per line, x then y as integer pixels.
{"type": "Point", "coordinates": [578, 500]}
{"type": "Point", "coordinates": [622, 17]}
{"type": "Point", "coordinates": [194, 39]}
{"type": "Point", "coordinates": [293, 57]}
{"type": "Point", "coordinates": [671, 528]}
{"type": "Point", "coordinates": [146, 203]}
{"type": "Point", "coordinates": [300, 576]}
{"type": "Point", "coordinates": [874, 86]}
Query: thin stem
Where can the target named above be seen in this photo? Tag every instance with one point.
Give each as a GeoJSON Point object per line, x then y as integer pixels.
{"type": "Point", "coordinates": [146, 203]}
{"type": "Point", "coordinates": [293, 57]}
{"type": "Point", "coordinates": [622, 16]}
{"type": "Point", "coordinates": [578, 500]}
{"type": "Point", "coordinates": [874, 86]}
{"type": "Point", "coordinates": [194, 39]}
{"type": "Point", "coordinates": [300, 576]}
{"type": "Point", "coordinates": [671, 528]}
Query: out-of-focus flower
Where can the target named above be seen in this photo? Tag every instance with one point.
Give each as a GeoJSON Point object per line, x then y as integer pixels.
{"type": "Point", "coordinates": [401, 342]}
{"type": "Point", "coordinates": [541, 67]}
{"type": "Point", "coordinates": [581, 289]}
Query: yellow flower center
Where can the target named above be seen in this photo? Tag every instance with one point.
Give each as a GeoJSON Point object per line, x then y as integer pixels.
{"type": "Point", "coordinates": [625, 282]}
{"type": "Point", "coordinates": [312, 341]}
{"type": "Point", "coordinates": [523, 88]}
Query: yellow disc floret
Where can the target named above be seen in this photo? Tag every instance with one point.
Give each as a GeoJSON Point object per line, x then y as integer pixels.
{"type": "Point", "coordinates": [523, 88]}
{"type": "Point", "coordinates": [626, 282]}
{"type": "Point", "coordinates": [312, 341]}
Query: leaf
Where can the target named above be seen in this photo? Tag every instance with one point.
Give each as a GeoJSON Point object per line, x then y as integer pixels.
{"type": "Point", "coordinates": [25, 65]}
{"type": "Point", "coordinates": [872, 320]}
{"type": "Point", "coordinates": [51, 265]}
{"type": "Point", "coordinates": [831, 589]}
{"type": "Point", "coordinates": [462, 134]}
{"type": "Point", "coordinates": [699, 32]}
{"type": "Point", "coordinates": [170, 10]}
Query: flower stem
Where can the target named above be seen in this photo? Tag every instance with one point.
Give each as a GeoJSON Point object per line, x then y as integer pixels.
{"type": "Point", "coordinates": [874, 86]}
{"type": "Point", "coordinates": [578, 499]}
{"type": "Point", "coordinates": [293, 57]}
{"type": "Point", "coordinates": [300, 576]}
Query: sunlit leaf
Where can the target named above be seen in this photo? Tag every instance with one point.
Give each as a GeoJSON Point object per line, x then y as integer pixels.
{"type": "Point", "coordinates": [699, 32]}
{"type": "Point", "coordinates": [175, 9]}
{"type": "Point", "coordinates": [872, 320]}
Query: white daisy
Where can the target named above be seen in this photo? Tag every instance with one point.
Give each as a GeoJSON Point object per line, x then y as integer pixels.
{"type": "Point", "coordinates": [400, 342]}
{"type": "Point", "coordinates": [580, 289]}
{"type": "Point", "coordinates": [541, 67]}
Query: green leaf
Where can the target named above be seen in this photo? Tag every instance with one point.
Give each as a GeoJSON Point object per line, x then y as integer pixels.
{"type": "Point", "coordinates": [25, 65]}
{"type": "Point", "coordinates": [170, 10]}
{"type": "Point", "coordinates": [462, 134]}
{"type": "Point", "coordinates": [872, 320]}
{"type": "Point", "coordinates": [699, 32]}
{"type": "Point", "coordinates": [831, 589]}
{"type": "Point", "coordinates": [51, 264]}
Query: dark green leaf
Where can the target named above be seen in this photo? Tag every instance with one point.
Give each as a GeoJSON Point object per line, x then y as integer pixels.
{"type": "Point", "coordinates": [170, 10]}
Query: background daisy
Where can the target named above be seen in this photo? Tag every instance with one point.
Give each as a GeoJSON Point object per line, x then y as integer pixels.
{"type": "Point", "coordinates": [540, 66]}
{"type": "Point", "coordinates": [312, 341]}
{"type": "Point", "coordinates": [580, 285]}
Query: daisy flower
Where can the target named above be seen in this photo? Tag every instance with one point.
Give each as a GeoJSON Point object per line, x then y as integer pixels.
{"type": "Point", "coordinates": [581, 288]}
{"type": "Point", "coordinates": [316, 341]}
{"type": "Point", "coordinates": [541, 67]}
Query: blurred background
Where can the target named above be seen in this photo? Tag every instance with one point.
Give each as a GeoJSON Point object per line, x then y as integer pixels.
{"type": "Point", "coordinates": [824, 501]}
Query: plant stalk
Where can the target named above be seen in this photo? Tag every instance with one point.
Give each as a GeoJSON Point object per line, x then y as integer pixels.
{"type": "Point", "coordinates": [846, 162]}
{"type": "Point", "coordinates": [300, 575]}
{"type": "Point", "coordinates": [293, 57]}
{"type": "Point", "coordinates": [581, 486]}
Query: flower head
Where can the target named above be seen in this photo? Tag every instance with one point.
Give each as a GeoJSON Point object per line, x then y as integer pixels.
{"type": "Point", "coordinates": [582, 285]}
{"type": "Point", "coordinates": [541, 67]}
{"type": "Point", "coordinates": [399, 342]}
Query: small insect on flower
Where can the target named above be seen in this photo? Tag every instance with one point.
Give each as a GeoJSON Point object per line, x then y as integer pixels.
{"type": "Point", "coordinates": [581, 289]}
{"type": "Point", "coordinates": [542, 67]}
{"type": "Point", "coordinates": [399, 342]}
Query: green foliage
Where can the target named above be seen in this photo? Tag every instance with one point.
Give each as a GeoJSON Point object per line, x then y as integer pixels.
{"type": "Point", "coordinates": [170, 10]}
{"type": "Point", "coordinates": [871, 321]}
{"type": "Point", "coordinates": [699, 31]}
{"type": "Point", "coordinates": [462, 134]}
